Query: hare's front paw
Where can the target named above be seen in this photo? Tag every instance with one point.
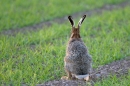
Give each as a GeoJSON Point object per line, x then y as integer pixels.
{"type": "Point", "coordinates": [67, 78]}
{"type": "Point", "coordinates": [64, 78]}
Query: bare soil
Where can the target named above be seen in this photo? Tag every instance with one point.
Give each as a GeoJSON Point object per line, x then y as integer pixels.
{"type": "Point", "coordinates": [117, 68]}
{"type": "Point", "coordinates": [45, 24]}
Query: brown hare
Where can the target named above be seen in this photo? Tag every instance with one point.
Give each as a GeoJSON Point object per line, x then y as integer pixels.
{"type": "Point", "coordinates": [77, 61]}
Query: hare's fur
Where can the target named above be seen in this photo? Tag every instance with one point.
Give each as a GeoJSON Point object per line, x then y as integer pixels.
{"type": "Point", "coordinates": [77, 61]}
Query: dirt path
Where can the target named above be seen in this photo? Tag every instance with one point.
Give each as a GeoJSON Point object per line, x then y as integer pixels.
{"type": "Point", "coordinates": [118, 68]}
{"type": "Point", "coordinates": [42, 25]}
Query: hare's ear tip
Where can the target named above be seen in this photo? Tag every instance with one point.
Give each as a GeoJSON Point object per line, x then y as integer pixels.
{"type": "Point", "coordinates": [69, 16]}
{"type": "Point", "coordinates": [84, 16]}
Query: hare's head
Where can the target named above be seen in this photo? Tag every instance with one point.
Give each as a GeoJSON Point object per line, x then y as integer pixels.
{"type": "Point", "coordinates": [75, 33]}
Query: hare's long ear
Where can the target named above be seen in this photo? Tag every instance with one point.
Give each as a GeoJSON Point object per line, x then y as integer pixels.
{"type": "Point", "coordinates": [71, 21]}
{"type": "Point", "coordinates": [81, 20]}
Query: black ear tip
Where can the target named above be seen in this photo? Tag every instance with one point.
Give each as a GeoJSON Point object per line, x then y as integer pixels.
{"type": "Point", "coordinates": [69, 17]}
{"type": "Point", "coordinates": [84, 16]}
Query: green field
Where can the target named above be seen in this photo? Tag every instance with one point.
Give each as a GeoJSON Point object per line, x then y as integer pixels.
{"type": "Point", "coordinates": [115, 81]}
{"type": "Point", "coordinates": [20, 13]}
{"type": "Point", "coordinates": [37, 57]}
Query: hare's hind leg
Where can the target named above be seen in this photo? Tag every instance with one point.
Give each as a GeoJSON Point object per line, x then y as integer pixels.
{"type": "Point", "coordinates": [87, 78]}
{"type": "Point", "coordinates": [69, 75]}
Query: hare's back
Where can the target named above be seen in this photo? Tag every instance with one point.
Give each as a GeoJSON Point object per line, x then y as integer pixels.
{"type": "Point", "coordinates": [76, 48]}
{"type": "Point", "coordinates": [78, 61]}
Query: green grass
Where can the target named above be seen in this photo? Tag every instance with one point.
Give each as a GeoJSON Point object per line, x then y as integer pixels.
{"type": "Point", "coordinates": [115, 81]}
{"type": "Point", "coordinates": [37, 57]}
{"type": "Point", "coordinates": [20, 13]}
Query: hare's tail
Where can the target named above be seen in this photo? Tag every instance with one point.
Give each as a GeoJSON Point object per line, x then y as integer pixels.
{"type": "Point", "coordinates": [81, 76]}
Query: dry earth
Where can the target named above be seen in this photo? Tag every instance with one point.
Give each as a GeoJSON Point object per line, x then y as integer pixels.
{"type": "Point", "coordinates": [117, 68]}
